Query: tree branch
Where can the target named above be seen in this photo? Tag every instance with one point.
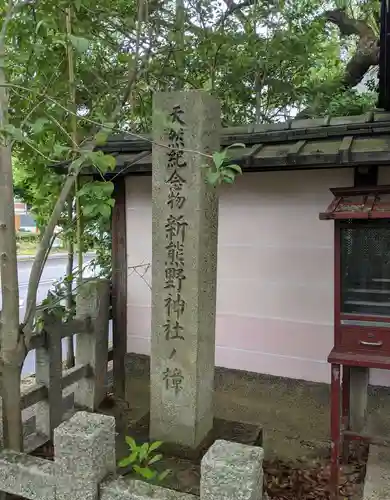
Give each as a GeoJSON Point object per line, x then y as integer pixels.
{"type": "Point", "coordinates": [347, 25]}
{"type": "Point", "coordinates": [235, 8]}
{"type": "Point", "coordinates": [41, 255]}
{"type": "Point", "coordinates": [366, 55]}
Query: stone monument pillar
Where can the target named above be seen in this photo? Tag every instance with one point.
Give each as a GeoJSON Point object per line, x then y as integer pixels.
{"type": "Point", "coordinates": [187, 128]}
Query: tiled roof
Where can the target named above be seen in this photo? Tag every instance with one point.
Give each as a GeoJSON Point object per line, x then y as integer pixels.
{"type": "Point", "coordinates": [296, 144]}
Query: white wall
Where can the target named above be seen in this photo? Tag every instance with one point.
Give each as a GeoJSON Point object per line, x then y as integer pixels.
{"type": "Point", "coordinates": [275, 272]}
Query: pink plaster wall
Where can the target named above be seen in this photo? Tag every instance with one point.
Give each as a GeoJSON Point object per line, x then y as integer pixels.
{"type": "Point", "coordinates": [275, 272]}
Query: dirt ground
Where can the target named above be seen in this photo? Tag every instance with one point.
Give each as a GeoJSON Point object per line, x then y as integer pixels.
{"type": "Point", "coordinates": [294, 418]}
{"type": "Point", "coordinates": [294, 414]}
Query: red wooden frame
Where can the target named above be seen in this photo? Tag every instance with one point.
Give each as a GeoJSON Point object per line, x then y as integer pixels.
{"type": "Point", "coordinates": [358, 203]}
{"type": "Point", "coordinates": [345, 355]}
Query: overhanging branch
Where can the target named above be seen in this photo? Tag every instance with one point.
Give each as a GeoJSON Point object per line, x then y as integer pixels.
{"type": "Point", "coordinates": [365, 56]}
{"type": "Point", "coordinates": [347, 25]}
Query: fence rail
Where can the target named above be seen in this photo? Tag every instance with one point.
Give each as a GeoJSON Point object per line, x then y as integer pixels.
{"type": "Point", "coordinates": [92, 354]}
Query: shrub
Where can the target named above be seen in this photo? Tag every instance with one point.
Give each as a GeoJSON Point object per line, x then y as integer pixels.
{"type": "Point", "coordinates": [26, 237]}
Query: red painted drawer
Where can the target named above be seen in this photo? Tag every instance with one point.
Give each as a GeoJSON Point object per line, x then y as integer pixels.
{"type": "Point", "coordinates": [372, 340]}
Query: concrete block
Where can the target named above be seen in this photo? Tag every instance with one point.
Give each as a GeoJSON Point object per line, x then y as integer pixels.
{"type": "Point", "coordinates": [93, 301]}
{"type": "Point", "coordinates": [84, 455]}
{"type": "Point", "coordinates": [232, 471]}
{"type": "Point", "coordinates": [124, 489]}
{"type": "Point", "coordinates": [48, 367]}
{"type": "Point", "coordinates": [27, 476]}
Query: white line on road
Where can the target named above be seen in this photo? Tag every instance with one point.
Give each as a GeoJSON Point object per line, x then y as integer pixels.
{"type": "Point", "coordinates": [43, 282]}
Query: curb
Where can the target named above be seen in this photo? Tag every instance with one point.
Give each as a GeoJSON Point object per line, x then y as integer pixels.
{"type": "Point", "coordinates": [30, 258]}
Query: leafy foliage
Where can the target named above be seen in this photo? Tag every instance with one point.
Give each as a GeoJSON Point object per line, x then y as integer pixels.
{"type": "Point", "coordinates": [223, 171]}
{"type": "Point", "coordinates": [142, 457]}
{"type": "Point", "coordinates": [264, 62]}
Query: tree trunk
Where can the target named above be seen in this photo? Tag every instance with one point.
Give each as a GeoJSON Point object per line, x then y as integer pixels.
{"type": "Point", "coordinates": [41, 255]}
{"type": "Point", "coordinates": [179, 51]}
{"type": "Point", "coordinates": [73, 134]}
{"type": "Point", "coordinates": [12, 345]}
{"type": "Point", "coordinates": [70, 359]}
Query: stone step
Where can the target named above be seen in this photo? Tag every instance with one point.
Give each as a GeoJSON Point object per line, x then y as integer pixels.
{"type": "Point", "coordinates": [377, 483]}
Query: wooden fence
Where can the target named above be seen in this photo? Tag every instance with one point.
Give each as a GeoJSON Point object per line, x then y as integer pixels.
{"type": "Point", "coordinates": [91, 327]}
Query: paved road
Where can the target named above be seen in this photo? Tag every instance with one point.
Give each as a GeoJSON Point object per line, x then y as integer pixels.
{"type": "Point", "coordinates": [54, 270]}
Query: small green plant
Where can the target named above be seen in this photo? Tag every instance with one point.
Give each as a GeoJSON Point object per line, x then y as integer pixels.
{"type": "Point", "coordinates": [141, 458]}
{"type": "Point", "coordinates": [221, 171]}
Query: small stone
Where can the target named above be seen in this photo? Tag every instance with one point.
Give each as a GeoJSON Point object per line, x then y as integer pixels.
{"type": "Point", "coordinates": [232, 470]}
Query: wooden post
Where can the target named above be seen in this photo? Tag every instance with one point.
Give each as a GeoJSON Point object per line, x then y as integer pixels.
{"type": "Point", "coordinates": [335, 431]}
{"type": "Point", "coordinates": [93, 301]}
{"type": "Point", "coordinates": [119, 288]}
{"type": "Point", "coordinates": [48, 363]}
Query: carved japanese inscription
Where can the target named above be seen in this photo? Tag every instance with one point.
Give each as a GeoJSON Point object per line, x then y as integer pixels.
{"type": "Point", "coordinates": [184, 264]}
{"type": "Point", "coordinates": [175, 234]}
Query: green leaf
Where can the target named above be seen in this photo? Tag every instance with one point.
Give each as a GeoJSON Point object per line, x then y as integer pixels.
{"type": "Point", "coordinates": [105, 211]}
{"type": "Point", "coordinates": [236, 168]}
{"type": "Point", "coordinates": [82, 191]}
{"type": "Point", "coordinates": [143, 453]}
{"type": "Point", "coordinates": [77, 5]}
{"type": "Point", "coordinates": [14, 132]}
{"type": "Point", "coordinates": [39, 24]}
{"type": "Point", "coordinates": [155, 445]}
{"type": "Point", "coordinates": [38, 125]}
{"type": "Point", "coordinates": [133, 456]}
{"type": "Point", "coordinates": [101, 161]}
{"type": "Point", "coordinates": [108, 188]}
{"type": "Point", "coordinates": [131, 443]}
{"type": "Point", "coordinates": [101, 138]}
{"type": "Point", "coordinates": [125, 462]}
{"type": "Point", "coordinates": [164, 474]}
{"type": "Point", "coordinates": [89, 210]}
{"type": "Point", "coordinates": [79, 43]}
{"type": "Point", "coordinates": [219, 157]}
{"type": "Point", "coordinates": [110, 161]}
{"type": "Point", "coordinates": [155, 459]}
{"type": "Point", "coordinates": [228, 180]}
{"type": "Point", "coordinates": [145, 472]}
{"type": "Point", "coordinates": [228, 174]}
{"type": "Point", "coordinates": [108, 127]}
{"type": "Point", "coordinates": [59, 149]}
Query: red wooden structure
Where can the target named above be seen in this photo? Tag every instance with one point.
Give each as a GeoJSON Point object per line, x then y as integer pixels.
{"type": "Point", "coordinates": [361, 303]}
